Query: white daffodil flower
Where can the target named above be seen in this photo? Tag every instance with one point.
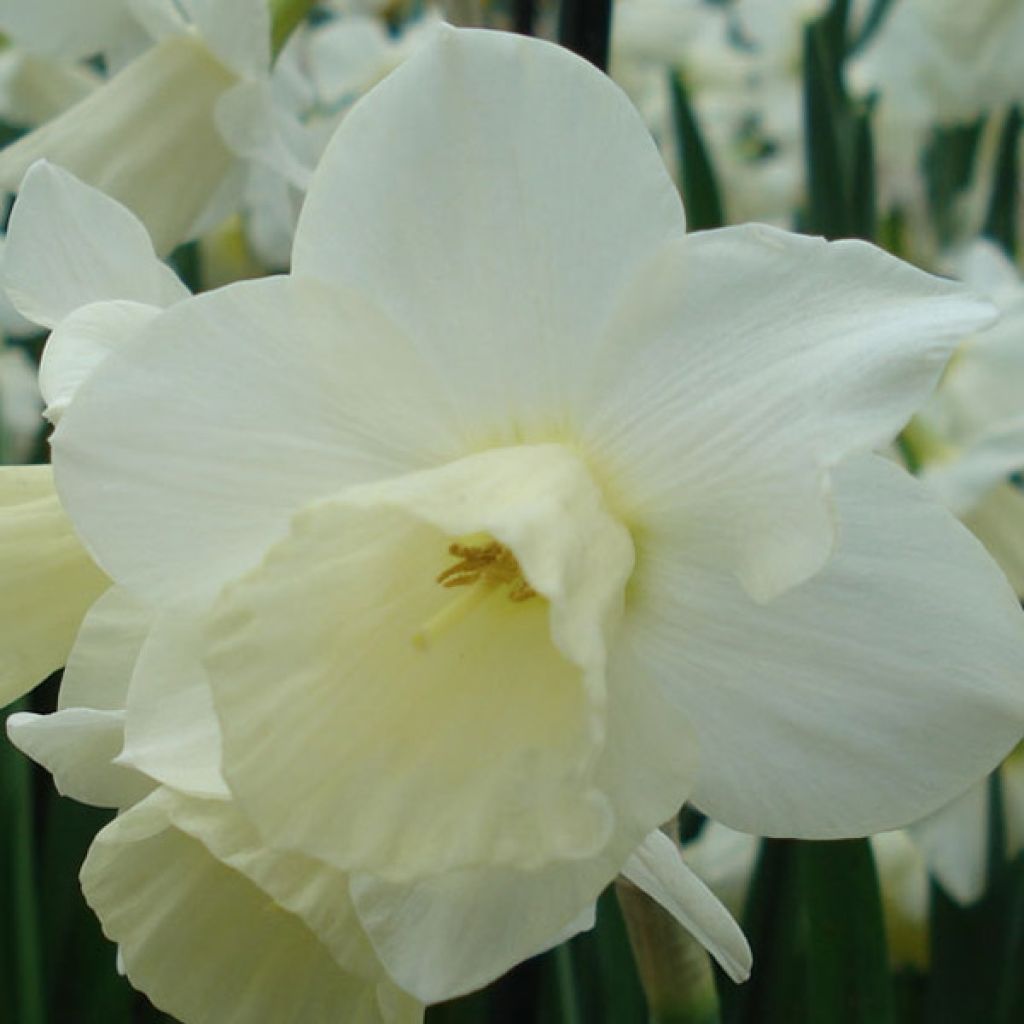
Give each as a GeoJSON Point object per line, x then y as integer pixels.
{"type": "Point", "coordinates": [952, 59]}
{"type": "Point", "coordinates": [153, 135]}
{"type": "Point", "coordinates": [969, 438]}
{"type": "Point", "coordinates": [514, 516]}
{"type": "Point", "coordinates": [954, 841]}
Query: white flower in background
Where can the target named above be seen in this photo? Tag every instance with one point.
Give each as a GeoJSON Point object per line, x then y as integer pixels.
{"type": "Point", "coordinates": [954, 841]}
{"type": "Point", "coordinates": [969, 438]}
{"type": "Point", "coordinates": [322, 71]}
{"type": "Point", "coordinates": [945, 59]}
{"type": "Point", "coordinates": [152, 136]}
{"type": "Point", "coordinates": [512, 518]}
{"type": "Point", "coordinates": [741, 65]}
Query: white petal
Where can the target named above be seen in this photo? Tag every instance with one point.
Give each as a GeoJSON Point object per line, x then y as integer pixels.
{"type": "Point", "coordinates": [954, 842]}
{"type": "Point", "coordinates": [228, 414]}
{"type": "Point", "coordinates": [237, 31]}
{"type": "Point", "coordinates": [47, 581]}
{"type": "Point", "coordinates": [171, 732]}
{"type": "Point", "coordinates": [69, 245]}
{"type": "Point", "coordinates": [79, 742]}
{"type": "Point", "coordinates": [207, 944]}
{"type": "Point", "coordinates": [59, 28]}
{"type": "Point", "coordinates": [101, 662]}
{"type": "Point", "coordinates": [964, 481]}
{"type": "Point", "coordinates": [162, 159]}
{"type": "Point", "coordinates": [657, 867]}
{"type": "Point", "coordinates": [444, 936]}
{"type": "Point", "coordinates": [78, 747]}
{"type": "Point", "coordinates": [81, 342]}
{"type": "Point", "coordinates": [492, 195]}
{"type": "Point", "coordinates": [998, 522]}
{"type": "Point", "coordinates": [461, 727]}
{"type": "Point", "coordinates": [863, 699]}
{"type": "Point", "coordinates": [744, 365]}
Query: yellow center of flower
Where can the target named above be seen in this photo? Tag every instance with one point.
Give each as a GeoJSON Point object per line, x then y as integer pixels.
{"type": "Point", "coordinates": [483, 568]}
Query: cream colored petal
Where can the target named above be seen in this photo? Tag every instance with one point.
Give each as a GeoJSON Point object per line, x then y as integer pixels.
{"type": "Point", "coordinates": [171, 732]}
{"type": "Point", "coordinates": [78, 747]}
{"type": "Point", "coordinates": [100, 665]}
{"type": "Point", "coordinates": [493, 195]}
{"type": "Point", "coordinates": [954, 842]}
{"type": "Point", "coordinates": [998, 522]}
{"type": "Point", "coordinates": [208, 945]}
{"type": "Point", "coordinates": [47, 580]}
{"type": "Point", "coordinates": [79, 743]}
{"type": "Point", "coordinates": [657, 867]}
{"type": "Point", "coordinates": [81, 342]}
{"type": "Point", "coordinates": [229, 413]}
{"type": "Point", "coordinates": [861, 700]}
{"type": "Point", "coordinates": [70, 245]}
{"type": "Point", "coordinates": [447, 935]}
{"type": "Point", "coordinates": [966, 480]}
{"type": "Point", "coordinates": [429, 728]}
{"type": "Point", "coordinates": [744, 365]}
{"type": "Point", "coordinates": [163, 159]}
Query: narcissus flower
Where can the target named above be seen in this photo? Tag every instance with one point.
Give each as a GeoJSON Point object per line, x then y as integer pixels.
{"type": "Point", "coordinates": [514, 516]}
{"type": "Point", "coordinates": [153, 135]}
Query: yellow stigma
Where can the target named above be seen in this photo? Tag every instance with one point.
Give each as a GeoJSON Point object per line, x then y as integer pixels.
{"type": "Point", "coordinates": [484, 568]}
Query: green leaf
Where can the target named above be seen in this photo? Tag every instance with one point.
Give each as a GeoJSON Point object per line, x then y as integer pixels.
{"type": "Point", "coordinates": [584, 26]}
{"type": "Point", "coordinates": [23, 997]}
{"type": "Point", "coordinates": [847, 961]}
{"type": "Point", "coordinates": [701, 195]}
{"type": "Point", "coordinates": [1001, 219]}
{"type": "Point", "coordinates": [610, 990]}
{"type": "Point", "coordinates": [774, 923]}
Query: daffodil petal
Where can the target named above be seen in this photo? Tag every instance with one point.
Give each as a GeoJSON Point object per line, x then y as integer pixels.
{"type": "Point", "coordinates": [537, 193]}
{"type": "Point", "coordinates": [100, 665]}
{"type": "Point", "coordinates": [743, 365]}
{"type": "Point", "coordinates": [657, 867]}
{"type": "Point", "coordinates": [998, 522]}
{"type": "Point", "coordinates": [208, 944]}
{"type": "Point", "coordinates": [81, 342]}
{"type": "Point", "coordinates": [444, 936]}
{"type": "Point", "coordinates": [856, 702]}
{"type": "Point", "coordinates": [170, 156]}
{"type": "Point", "coordinates": [460, 727]}
{"type": "Point", "coordinates": [78, 747]}
{"type": "Point", "coordinates": [47, 580]}
{"type": "Point", "coordinates": [80, 741]}
{"type": "Point", "coordinates": [171, 732]}
{"type": "Point", "coordinates": [229, 413]}
{"type": "Point", "coordinates": [966, 480]}
{"type": "Point", "coordinates": [69, 245]}
{"type": "Point", "coordinates": [954, 842]}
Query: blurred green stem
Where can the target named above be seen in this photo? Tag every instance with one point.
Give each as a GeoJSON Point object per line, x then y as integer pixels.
{"type": "Point", "coordinates": [29, 971]}
{"type": "Point", "coordinates": [566, 978]}
{"type": "Point", "coordinates": [287, 15]}
{"type": "Point", "coordinates": [674, 968]}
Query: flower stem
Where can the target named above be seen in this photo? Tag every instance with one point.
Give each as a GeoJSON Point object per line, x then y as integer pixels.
{"type": "Point", "coordinates": [674, 968]}
{"type": "Point", "coordinates": [584, 26]}
{"type": "Point", "coordinates": [16, 810]}
{"type": "Point", "coordinates": [286, 16]}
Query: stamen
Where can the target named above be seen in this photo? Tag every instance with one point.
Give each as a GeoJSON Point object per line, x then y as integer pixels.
{"type": "Point", "coordinates": [484, 568]}
{"type": "Point", "coordinates": [492, 562]}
